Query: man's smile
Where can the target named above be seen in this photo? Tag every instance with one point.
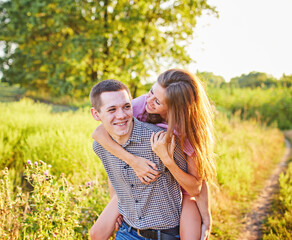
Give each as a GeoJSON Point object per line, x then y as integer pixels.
{"type": "Point", "coordinates": [121, 123]}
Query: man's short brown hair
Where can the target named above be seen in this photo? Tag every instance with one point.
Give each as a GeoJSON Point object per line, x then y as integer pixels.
{"type": "Point", "coordinates": [109, 85]}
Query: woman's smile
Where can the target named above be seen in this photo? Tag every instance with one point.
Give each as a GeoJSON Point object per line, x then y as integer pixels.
{"type": "Point", "coordinates": [149, 108]}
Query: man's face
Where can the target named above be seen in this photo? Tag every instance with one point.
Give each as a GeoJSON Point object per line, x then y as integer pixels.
{"type": "Point", "coordinates": [116, 114]}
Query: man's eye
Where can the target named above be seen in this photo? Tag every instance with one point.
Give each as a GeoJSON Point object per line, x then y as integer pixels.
{"type": "Point", "coordinates": [111, 110]}
{"type": "Point", "coordinates": [127, 107]}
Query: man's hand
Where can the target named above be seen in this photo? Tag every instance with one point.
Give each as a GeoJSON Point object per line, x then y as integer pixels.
{"type": "Point", "coordinates": [145, 170]}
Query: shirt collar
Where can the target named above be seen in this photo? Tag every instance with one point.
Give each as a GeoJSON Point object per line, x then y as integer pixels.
{"type": "Point", "coordinates": [136, 133]}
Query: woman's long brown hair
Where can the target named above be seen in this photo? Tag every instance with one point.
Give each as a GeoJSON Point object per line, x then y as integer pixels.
{"type": "Point", "coordinates": [191, 115]}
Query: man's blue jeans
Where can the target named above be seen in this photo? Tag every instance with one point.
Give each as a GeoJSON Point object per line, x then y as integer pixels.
{"type": "Point", "coordinates": [126, 233]}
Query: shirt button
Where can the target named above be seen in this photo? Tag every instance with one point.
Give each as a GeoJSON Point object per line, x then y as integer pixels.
{"type": "Point", "coordinates": [132, 185]}
{"type": "Point", "coordinates": [136, 201]}
{"type": "Point", "coordinates": [125, 167]}
{"type": "Point", "coordinates": [140, 218]}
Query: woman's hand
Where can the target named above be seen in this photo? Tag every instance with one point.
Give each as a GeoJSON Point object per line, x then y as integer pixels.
{"type": "Point", "coordinates": [119, 221]}
{"type": "Point", "coordinates": [163, 149]}
{"type": "Point", "coordinates": [206, 229]}
{"type": "Point", "coordinates": [145, 170]}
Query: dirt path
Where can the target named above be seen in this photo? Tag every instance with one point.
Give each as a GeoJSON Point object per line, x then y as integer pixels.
{"type": "Point", "coordinates": [253, 220]}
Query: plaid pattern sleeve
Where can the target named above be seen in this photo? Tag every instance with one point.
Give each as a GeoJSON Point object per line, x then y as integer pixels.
{"type": "Point", "coordinates": [157, 205]}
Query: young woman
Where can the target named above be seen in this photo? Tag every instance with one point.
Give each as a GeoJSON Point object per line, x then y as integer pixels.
{"type": "Point", "coordinates": [177, 102]}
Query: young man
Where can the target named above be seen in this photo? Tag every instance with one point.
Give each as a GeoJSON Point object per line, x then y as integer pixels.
{"type": "Point", "coordinates": [149, 211]}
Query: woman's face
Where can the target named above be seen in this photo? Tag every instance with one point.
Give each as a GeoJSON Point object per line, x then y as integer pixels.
{"type": "Point", "coordinates": [156, 101]}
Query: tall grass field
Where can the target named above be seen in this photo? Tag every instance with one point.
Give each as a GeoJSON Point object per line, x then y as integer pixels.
{"type": "Point", "coordinates": [54, 186]}
{"type": "Point", "coordinates": [271, 106]}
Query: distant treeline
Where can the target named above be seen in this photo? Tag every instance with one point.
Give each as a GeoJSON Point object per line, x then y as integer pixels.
{"type": "Point", "coordinates": [250, 80]}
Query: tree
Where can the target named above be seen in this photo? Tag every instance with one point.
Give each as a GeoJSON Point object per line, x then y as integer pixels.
{"type": "Point", "coordinates": [286, 80]}
{"type": "Point", "coordinates": [211, 79]}
{"type": "Point", "coordinates": [66, 46]}
{"type": "Point", "coordinates": [253, 80]}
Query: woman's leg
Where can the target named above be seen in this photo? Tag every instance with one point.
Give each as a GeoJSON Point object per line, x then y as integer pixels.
{"type": "Point", "coordinates": [104, 226]}
{"type": "Point", "coordinates": [190, 221]}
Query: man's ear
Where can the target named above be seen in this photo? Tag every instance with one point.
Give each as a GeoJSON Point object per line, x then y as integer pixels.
{"type": "Point", "coordinates": [95, 114]}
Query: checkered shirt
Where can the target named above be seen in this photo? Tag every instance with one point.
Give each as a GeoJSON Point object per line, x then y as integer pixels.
{"type": "Point", "coordinates": [153, 206]}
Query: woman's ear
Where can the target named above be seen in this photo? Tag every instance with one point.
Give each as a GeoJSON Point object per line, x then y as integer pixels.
{"type": "Point", "coordinates": [95, 114]}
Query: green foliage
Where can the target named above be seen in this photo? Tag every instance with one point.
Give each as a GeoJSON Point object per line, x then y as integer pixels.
{"type": "Point", "coordinates": [254, 80]}
{"type": "Point", "coordinates": [10, 93]}
{"type": "Point", "coordinates": [269, 106]}
{"type": "Point", "coordinates": [64, 47]}
{"type": "Point", "coordinates": [52, 209]}
{"type": "Point", "coordinates": [259, 79]}
{"type": "Point", "coordinates": [211, 79]}
{"type": "Point", "coordinates": [286, 80]}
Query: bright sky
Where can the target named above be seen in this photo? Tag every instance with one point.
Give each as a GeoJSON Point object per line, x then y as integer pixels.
{"type": "Point", "coordinates": [249, 35]}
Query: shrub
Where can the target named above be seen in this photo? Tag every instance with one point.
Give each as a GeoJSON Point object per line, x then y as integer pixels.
{"type": "Point", "coordinates": [49, 207]}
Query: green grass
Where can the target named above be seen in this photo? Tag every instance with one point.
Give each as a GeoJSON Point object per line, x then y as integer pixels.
{"type": "Point", "coordinates": [32, 131]}
{"type": "Point", "coordinates": [246, 154]}
{"type": "Point", "coordinates": [10, 93]}
{"type": "Point", "coordinates": [278, 224]}
{"type": "Point", "coordinates": [269, 106]}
